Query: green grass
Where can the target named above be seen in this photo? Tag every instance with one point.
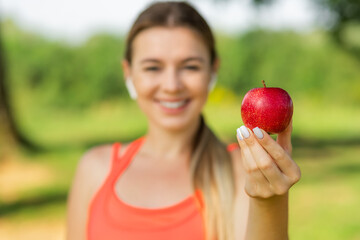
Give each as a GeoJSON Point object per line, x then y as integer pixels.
{"type": "Point", "coordinates": [324, 204]}
{"type": "Point", "coordinates": [122, 120]}
{"type": "Point", "coordinates": [70, 127]}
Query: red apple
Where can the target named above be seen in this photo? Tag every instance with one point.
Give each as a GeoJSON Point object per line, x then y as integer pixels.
{"type": "Point", "coordinates": [270, 109]}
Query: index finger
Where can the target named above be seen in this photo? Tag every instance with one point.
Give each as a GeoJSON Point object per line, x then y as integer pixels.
{"type": "Point", "coordinates": [284, 138]}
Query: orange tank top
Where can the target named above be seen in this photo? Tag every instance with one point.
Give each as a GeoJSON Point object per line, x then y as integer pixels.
{"type": "Point", "coordinates": [110, 218]}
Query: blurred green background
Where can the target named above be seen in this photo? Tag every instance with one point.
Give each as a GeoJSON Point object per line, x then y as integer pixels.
{"type": "Point", "coordinates": [62, 98]}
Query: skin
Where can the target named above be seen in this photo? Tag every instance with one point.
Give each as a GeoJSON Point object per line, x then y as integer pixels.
{"type": "Point", "coordinates": [269, 174]}
{"type": "Point", "coordinates": [173, 64]}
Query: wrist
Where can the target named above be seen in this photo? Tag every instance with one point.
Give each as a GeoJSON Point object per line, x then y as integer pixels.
{"type": "Point", "coordinates": [270, 215]}
{"type": "Point", "coordinates": [271, 201]}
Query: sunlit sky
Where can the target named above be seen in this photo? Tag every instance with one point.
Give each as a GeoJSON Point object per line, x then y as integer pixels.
{"type": "Point", "coordinates": [76, 20]}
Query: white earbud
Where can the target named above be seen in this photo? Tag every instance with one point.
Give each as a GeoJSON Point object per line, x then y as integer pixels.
{"type": "Point", "coordinates": [212, 82]}
{"type": "Point", "coordinates": [131, 88]}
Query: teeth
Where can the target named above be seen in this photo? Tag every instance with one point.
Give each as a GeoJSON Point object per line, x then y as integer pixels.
{"type": "Point", "coordinates": [173, 105]}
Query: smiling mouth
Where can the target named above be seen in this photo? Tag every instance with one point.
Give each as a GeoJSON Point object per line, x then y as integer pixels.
{"type": "Point", "coordinates": [174, 104]}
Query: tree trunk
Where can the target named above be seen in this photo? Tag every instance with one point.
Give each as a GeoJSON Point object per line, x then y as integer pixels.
{"type": "Point", "coordinates": [10, 136]}
{"type": "Point", "coordinates": [7, 139]}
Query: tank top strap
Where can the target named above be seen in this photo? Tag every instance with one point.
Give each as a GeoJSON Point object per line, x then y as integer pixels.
{"type": "Point", "coordinates": [115, 153]}
{"type": "Point", "coordinates": [232, 147]}
{"type": "Point", "coordinates": [119, 163]}
{"type": "Point", "coordinates": [199, 198]}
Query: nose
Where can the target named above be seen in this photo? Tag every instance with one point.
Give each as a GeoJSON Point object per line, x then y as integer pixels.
{"type": "Point", "coordinates": [172, 81]}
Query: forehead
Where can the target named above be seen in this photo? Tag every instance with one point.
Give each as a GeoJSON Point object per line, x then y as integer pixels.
{"type": "Point", "coordinates": [169, 43]}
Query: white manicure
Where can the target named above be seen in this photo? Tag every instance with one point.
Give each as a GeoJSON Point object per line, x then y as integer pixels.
{"type": "Point", "coordinates": [244, 132]}
{"type": "Point", "coordinates": [258, 133]}
{"type": "Point", "coordinates": [239, 134]}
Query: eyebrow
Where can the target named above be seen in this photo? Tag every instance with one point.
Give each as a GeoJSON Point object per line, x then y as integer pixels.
{"type": "Point", "coordinates": [154, 60]}
{"type": "Point", "coordinates": [200, 59]}
{"type": "Point", "coordinates": [149, 60]}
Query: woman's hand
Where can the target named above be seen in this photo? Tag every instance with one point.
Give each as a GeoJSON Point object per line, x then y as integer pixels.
{"type": "Point", "coordinates": [268, 163]}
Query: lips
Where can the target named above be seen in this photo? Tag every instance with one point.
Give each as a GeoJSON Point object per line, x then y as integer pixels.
{"type": "Point", "coordinates": [173, 104]}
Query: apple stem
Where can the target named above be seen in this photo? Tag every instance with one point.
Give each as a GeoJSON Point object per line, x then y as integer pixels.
{"type": "Point", "coordinates": [264, 83]}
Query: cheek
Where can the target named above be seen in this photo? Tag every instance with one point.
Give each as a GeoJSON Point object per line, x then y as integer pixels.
{"type": "Point", "coordinates": [146, 91]}
{"type": "Point", "coordinates": [199, 87]}
{"type": "Point", "coordinates": [144, 87]}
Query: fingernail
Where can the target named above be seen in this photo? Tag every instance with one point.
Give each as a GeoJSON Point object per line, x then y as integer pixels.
{"type": "Point", "coordinates": [244, 132]}
{"type": "Point", "coordinates": [238, 133]}
{"type": "Point", "coordinates": [258, 133]}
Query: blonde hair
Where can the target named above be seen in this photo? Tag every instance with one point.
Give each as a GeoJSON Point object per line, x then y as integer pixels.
{"type": "Point", "coordinates": [212, 172]}
{"type": "Point", "coordinates": [211, 166]}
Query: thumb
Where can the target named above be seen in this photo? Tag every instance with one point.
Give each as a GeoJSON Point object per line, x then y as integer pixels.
{"type": "Point", "coordinates": [284, 138]}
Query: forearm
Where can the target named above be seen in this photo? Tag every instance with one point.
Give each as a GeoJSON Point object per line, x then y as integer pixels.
{"type": "Point", "coordinates": [268, 218]}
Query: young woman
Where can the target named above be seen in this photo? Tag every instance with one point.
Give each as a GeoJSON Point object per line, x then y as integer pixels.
{"type": "Point", "coordinates": [180, 181]}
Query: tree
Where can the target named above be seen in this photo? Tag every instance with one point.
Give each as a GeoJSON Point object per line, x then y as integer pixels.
{"type": "Point", "coordinates": [6, 135]}
{"type": "Point", "coordinates": [10, 135]}
{"type": "Point", "coordinates": [343, 15]}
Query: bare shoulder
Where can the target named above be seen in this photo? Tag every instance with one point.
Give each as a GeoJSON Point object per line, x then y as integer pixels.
{"type": "Point", "coordinates": [95, 164]}
{"type": "Point", "coordinates": [91, 172]}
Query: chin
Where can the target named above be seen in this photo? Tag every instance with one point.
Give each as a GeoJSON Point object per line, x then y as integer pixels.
{"type": "Point", "coordinates": [178, 124]}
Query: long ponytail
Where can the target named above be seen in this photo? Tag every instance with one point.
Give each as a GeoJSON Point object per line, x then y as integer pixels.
{"type": "Point", "coordinates": [212, 172]}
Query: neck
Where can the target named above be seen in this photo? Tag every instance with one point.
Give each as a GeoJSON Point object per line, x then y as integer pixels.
{"type": "Point", "coordinates": [170, 144]}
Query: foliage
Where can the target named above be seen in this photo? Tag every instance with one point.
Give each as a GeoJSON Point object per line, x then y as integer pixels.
{"type": "Point", "coordinates": [310, 65]}
{"type": "Point", "coordinates": [64, 75]}
{"type": "Point", "coordinates": [61, 75]}
{"type": "Point", "coordinates": [343, 23]}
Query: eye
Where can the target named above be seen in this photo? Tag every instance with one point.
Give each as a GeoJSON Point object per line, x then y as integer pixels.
{"type": "Point", "coordinates": [192, 67]}
{"type": "Point", "coordinates": [152, 68]}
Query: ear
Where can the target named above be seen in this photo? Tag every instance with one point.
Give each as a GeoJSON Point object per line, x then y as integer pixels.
{"type": "Point", "coordinates": [128, 81]}
{"type": "Point", "coordinates": [126, 69]}
{"type": "Point", "coordinates": [216, 65]}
